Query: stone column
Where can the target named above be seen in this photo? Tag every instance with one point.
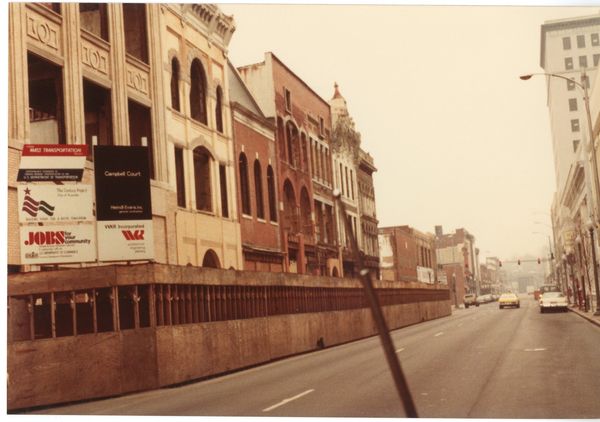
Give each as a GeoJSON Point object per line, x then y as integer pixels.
{"type": "Point", "coordinates": [18, 86]}
{"type": "Point", "coordinates": [118, 75]}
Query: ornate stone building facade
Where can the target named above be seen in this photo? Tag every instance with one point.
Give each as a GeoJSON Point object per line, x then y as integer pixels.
{"type": "Point", "coordinates": [133, 74]}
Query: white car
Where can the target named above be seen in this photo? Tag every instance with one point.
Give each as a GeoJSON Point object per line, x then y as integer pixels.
{"type": "Point", "coordinates": [553, 300]}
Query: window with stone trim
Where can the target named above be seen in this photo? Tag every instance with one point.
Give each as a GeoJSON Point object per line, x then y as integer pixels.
{"type": "Point", "coordinates": [180, 177]}
{"type": "Point", "coordinates": [572, 104]}
{"type": "Point", "coordinates": [198, 92]}
{"type": "Point", "coordinates": [93, 18]}
{"type": "Point", "coordinates": [568, 63]}
{"type": "Point", "coordinates": [98, 115]}
{"type": "Point", "coordinates": [46, 101]}
{"type": "Point", "coordinates": [583, 61]}
{"type": "Point", "coordinates": [574, 125]}
{"type": "Point", "coordinates": [566, 43]}
{"type": "Point", "coordinates": [580, 41]}
{"type": "Point", "coordinates": [140, 130]}
{"type": "Point", "coordinates": [595, 39]}
{"type": "Point", "coordinates": [244, 184]}
{"type": "Point", "coordinates": [219, 109]}
{"type": "Point", "coordinates": [223, 183]}
{"type": "Point", "coordinates": [134, 19]}
{"type": "Point", "coordinates": [202, 179]}
{"type": "Point", "coordinates": [271, 194]}
{"type": "Point", "coordinates": [175, 103]}
{"type": "Point", "coordinates": [258, 190]}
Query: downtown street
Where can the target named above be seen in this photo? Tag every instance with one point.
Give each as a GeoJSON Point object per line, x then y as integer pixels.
{"type": "Point", "coordinates": [512, 363]}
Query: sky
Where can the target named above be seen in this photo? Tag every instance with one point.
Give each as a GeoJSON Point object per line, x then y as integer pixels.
{"type": "Point", "coordinates": [457, 138]}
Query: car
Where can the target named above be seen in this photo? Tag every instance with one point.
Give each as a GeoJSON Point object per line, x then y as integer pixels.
{"type": "Point", "coordinates": [553, 300]}
{"type": "Point", "coordinates": [509, 299]}
{"type": "Point", "coordinates": [484, 299]}
{"type": "Point", "coordinates": [470, 299]}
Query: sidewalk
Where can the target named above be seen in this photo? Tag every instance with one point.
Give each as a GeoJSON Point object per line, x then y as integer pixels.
{"type": "Point", "coordinates": [587, 315]}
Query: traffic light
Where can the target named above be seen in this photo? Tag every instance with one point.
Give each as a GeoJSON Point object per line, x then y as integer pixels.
{"type": "Point", "coordinates": [539, 261]}
{"type": "Point", "coordinates": [499, 263]}
{"type": "Point", "coordinates": [519, 261]}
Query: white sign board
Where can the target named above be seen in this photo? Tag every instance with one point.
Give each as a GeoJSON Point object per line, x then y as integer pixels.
{"type": "Point", "coordinates": [57, 244]}
{"type": "Point", "coordinates": [125, 240]}
{"type": "Point", "coordinates": [425, 275]}
{"type": "Point", "coordinates": [57, 203]}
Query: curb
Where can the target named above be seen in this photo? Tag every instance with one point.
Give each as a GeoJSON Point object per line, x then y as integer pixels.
{"type": "Point", "coordinates": [584, 316]}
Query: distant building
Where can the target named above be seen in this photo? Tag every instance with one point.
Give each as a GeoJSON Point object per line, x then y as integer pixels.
{"type": "Point", "coordinates": [457, 257]}
{"type": "Point", "coordinates": [407, 255]}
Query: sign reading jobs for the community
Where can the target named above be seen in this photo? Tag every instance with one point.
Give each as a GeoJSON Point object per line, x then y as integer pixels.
{"type": "Point", "coordinates": [123, 203]}
{"type": "Point", "coordinates": [52, 163]}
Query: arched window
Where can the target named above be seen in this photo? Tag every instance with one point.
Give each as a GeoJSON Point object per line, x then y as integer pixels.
{"type": "Point", "coordinates": [175, 84]}
{"type": "Point", "coordinates": [198, 92]}
{"type": "Point", "coordinates": [202, 179]}
{"type": "Point", "coordinates": [271, 192]}
{"type": "Point", "coordinates": [211, 260]}
{"type": "Point", "coordinates": [260, 208]}
{"type": "Point", "coordinates": [244, 185]}
{"type": "Point", "coordinates": [219, 110]}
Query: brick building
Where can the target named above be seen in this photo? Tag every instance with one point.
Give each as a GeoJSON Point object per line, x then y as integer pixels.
{"type": "Point", "coordinates": [457, 257]}
{"type": "Point", "coordinates": [407, 254]}
{"type": "Point", "coordinates": [303, 128]}
{"type": "Point", "coordinates": [256, 171]}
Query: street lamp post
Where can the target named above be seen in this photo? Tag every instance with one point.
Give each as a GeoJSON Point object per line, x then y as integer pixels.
{"type": "Point", "coordinates": [586, 101]}
{"type": "Point", "coordinates": [454, 290]}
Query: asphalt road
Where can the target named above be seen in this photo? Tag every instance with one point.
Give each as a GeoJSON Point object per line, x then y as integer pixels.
{"type": "Point", "coordinates": [480, 362]}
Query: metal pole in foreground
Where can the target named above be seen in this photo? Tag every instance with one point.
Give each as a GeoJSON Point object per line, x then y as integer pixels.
{"type": "Point", "coordinates": [384, 334]}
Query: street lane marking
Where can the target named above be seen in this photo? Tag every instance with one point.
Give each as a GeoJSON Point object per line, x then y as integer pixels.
{"type": "Point", "coordinates": [399, 350]}
{"type": "Point", "coordinates": [540, 349]}
{"type": "Point", "coordinates": [281, 403]}
{"type": "Point", "coordinates": [439, 334]}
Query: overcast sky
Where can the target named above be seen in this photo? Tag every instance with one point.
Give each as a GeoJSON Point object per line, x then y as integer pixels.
{"type": "Point", "coordinates": [458, 139]}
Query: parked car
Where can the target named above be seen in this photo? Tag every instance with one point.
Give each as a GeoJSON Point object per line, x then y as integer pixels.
{"type": "Point", "coordinates": [509, 299]}
{"type": "Point", "coordinates": [553, 300]}
{"type": "Point", "coordinates": [470, 299]}
{"type": "Point", "coordinates": [484, 299]}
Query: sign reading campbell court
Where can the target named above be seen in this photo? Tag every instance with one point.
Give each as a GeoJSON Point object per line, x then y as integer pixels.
{"type": "Point", "coordinates": [123, 204]}
{"type": "Point", "coordinates": [52, 163]}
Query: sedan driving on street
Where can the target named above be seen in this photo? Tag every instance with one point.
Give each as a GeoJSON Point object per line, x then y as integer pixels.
{"type": "Point", "coordinates": [553, 300]}
{"type": "Point", "coordinates": [509, 299]}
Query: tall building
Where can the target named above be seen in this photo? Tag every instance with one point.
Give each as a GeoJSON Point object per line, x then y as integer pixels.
{"type": "Point", "coordinates": [303, 122]}
{"type": "Point", "coordinates": [368, 214]}
{"type": "Point", "coordinates": [133, 74]}
{"type": "Point", "coordinates": [570, 48]}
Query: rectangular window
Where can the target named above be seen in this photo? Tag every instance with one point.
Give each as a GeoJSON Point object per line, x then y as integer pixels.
{"type": "Point", "coordinates": [134, 17]}
{"type": "Point", "coordinates": [596, 59]}
{"type": "Point", "coordinates": [570, 85]}
{"type": "Point", "coordinates": [352, 183]}
{"type": "Point", "coordinates": [46, 105]}
{"type": "Point", "coordinates": [223, 183]}
{"type": "Point", "coordinates": [572, 104]}
{"type": "Point", "coordinates": [321, 126]}
{"type": "Point", "coordinates": [595, 40]}
{"type": "Point", "coordinates": [575, 145]}
{"type": "Point", "coordinates": [98, 115]}
{"type": "Point", "coordinates": [93, 18]}
{"type": "Point", "coordinates": [288, 99]}
{"type": "Point", "coordinates": [580, 41]}
{"type": "Point", "coordinates": [140, 130]}
{"type": "Point", "coordinates": [574, 125]}
{"type": "Point", "coordinates": [126, 307]}
{"type": "Point", "coordinates": [143, 303]}
{"type": "Point", "coordinates": [568, 63]}
{"type": "Point", "coordinates": [63, 303]}
{"type": "Point", "coordinates": [566, 43]}
{"type": "Point", "coordinates": [582, 61]}
{"type": "Point", "coordinates": [180, 178]}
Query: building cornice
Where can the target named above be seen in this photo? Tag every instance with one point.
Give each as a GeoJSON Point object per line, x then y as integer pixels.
{"type": "Point", "coordinates": [562, 25]}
